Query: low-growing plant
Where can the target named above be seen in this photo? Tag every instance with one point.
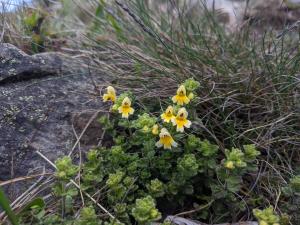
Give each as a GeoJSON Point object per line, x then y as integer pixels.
{"type": "Point", "coordinates": [190, 153]}
{"type": "Point", "coordinates": [158, 158]}
{"type": "Point", "coordinates": [268, 216]}
{"type": "Point", "coordinates": [291, 199]}
{"type": "Point", "coordinates": [154, 163]}
{"type": "Point", "coordinates": [66, 170]}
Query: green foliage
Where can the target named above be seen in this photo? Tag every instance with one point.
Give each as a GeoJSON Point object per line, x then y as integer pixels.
{"type": "Point", "coordinates": [144, 210]}
{"type": "Point", "coordinates": [88, 217]}
{"type": "Point", "coordinates": [187, 166]}
{"type": "Point", "coordinates": [144, 122]}
{"type": "Point", "coordinates": [191, 85]}
{"type": "Point", "coordinates": [295, 184]}
{"type": "Point", "coordinates": [234, 159]}
{"type": "Point", "coordinates": [115, 179]}
{"type": "Point", "coordinates": [244, 89]}
{"type": "Point", "coordinates": [36, 204]}
{"type": "Point", "coordinates": [92, 169]}
{"type": "Point", "coordinates": [32, 20]}
{"type": "Point", "coordinates": [291, 193]}
{"type": "Point", "coordinates": [65, 168]}
{"type": "Point", "coordinates": [132, 173]}
{"type": "Point", "coordinates": [193, 143]}
{"type": "Point", "coordinates": [207, 149]}
{"type": "Point", "coordinates": [266, 216]}
{"type": "Point", "coordinates": [156, 188]}
{"type": "Point", "coordinates": [251, 152]}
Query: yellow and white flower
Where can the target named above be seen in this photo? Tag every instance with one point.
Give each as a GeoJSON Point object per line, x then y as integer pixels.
{"type": "Point", "coordinates": [180, 98]}
{"type": "Point", "coordinates": [181, 120]}
{"type": "Point", "coordinates": [165, 140]}
{"type": "Point", "coordinates": [155, 129]}
{"type": "Point", "coordinates": [110, 95]}
{"type": "Point", "coordinates": [168, 115]}
{"type": "Point", "coordinates": [125, 109]}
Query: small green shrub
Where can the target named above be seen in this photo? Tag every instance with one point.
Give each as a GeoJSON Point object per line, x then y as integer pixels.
{"type": "Point", "coordinates": [144, 210]}
{"type": "Point", "coordinates": [266, 216]}
{"type": "Point", "coordinates": [88, 217]}
{"type": "Point", "coordinates": [155, 162]}
{"type": "Point", "coordinates": [291, 197]}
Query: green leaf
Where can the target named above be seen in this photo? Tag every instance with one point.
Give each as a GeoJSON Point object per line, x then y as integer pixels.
{"type": "Point", "coordinates": [35, 203]}
{"type": "Point", "coordinates": [100, 9]}
{"type": "Point", "coordinates": [233, 183]}
{"type": "Point", "coordinates": [4, 203]}
{"type": "Point", "coordinates": [114, 23]}
{"type": "Point", "coordinates": [69, 203]}
{"type": "Point", "coordinates": [72, 192]}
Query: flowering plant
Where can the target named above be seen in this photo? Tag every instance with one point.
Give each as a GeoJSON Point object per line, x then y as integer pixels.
{"type": "Point", "coordinates": [159, 160]}
{"type": "Point", "coordinates": [157, 163]}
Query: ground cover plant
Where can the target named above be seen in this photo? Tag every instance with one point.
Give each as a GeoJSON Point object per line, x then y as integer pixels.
{"type": "Point", "coordinates": [157, 165]}
{"type": "Point", "coordinates": [203, 123]}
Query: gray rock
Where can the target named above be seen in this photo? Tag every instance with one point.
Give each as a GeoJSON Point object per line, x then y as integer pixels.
{"type": "Point", "coordinates": [182, 221]}
{"type": "Point", "coordinates": [41, 98]}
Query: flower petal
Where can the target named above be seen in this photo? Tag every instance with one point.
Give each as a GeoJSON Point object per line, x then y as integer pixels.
{"type": "Point", "coordinates": [167, 146]}
{"type": "Point", "coordinates": [120, 109]}
{"type": "Point", "coordinates": [186, 100]}
{"type": "Point", "coordinates": [174, 121]}
{"type": "Point", "coordinates": [174, 99]}
{"type": "Point", "coordinates": [180, 129]}
{"type": "Point", "coordinates": [105, 97]}
{"type": "Point", "coordinates": [131, 111]}
{"type": "Point", "coordinates": [180, 102]}
{"type": "Point", "coordinates": [158, 144]}
{"type": "Point", "coordinates": [174, 144]}
{"type": "Point", "coordinates": [188, 124]}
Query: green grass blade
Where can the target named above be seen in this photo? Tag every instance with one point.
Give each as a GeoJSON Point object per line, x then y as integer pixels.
{"type": "Point", "coordinates": [4, 203]}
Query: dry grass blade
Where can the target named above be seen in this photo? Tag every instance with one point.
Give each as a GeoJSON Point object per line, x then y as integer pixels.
{"type": "Point", "coordinates": [18, 179]}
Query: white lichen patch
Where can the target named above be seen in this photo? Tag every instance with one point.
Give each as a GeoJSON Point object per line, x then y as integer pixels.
{"type": "Point", "coordinates": [12, 71]}
{"type": "Point", "coordinates": [26, 98]}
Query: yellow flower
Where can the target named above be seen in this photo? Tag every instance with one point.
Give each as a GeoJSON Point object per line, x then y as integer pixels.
{"type": "Point", "coordinates": [165, 140]}
{"type": "Point", "coordinates": [155, 129]}
{"type": "Point", "coordinates": [168, 115]}
{"type": "Point", "coordinates": [181, 120]}
{"type": "Point", "coordinates": [229, 165]}
{"type": "Point", "coordinates": [125, 109]}
{"type": "Point", "coordinates": [180, 98]}
{"type": "Point", "coordinates": [110, 95]}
